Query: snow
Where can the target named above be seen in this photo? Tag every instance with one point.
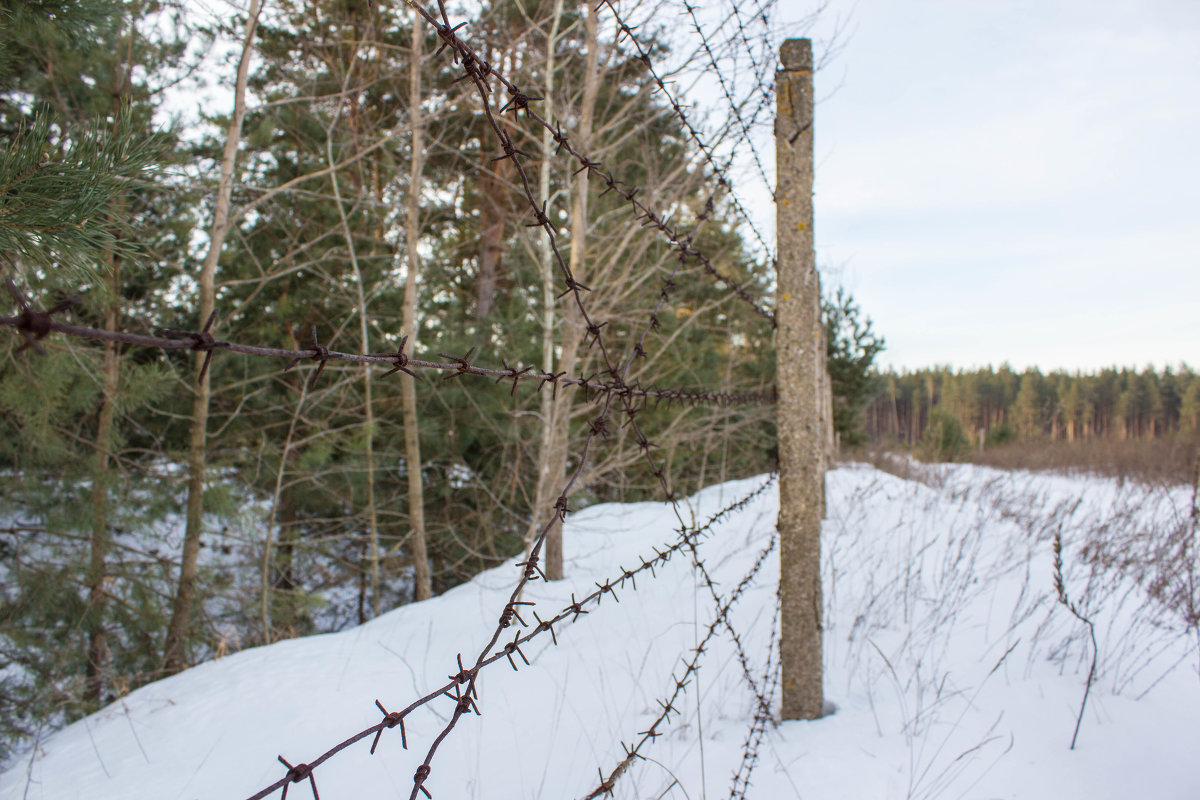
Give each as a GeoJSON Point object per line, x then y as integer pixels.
{"type": "Point", "coordinates": [953, 669]}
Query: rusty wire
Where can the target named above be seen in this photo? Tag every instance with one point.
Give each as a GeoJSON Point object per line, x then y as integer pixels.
{"type": "Point", "coordinates": [681, 682]}
{"type": "Point", "coordinates": [706, 150]}
{"type": "Point", "coordinates": [762, 715]}
{"type": "Point", "coordinates": [464, 677]}
{"type": "Point", "coordinates": [35, 325]}
{"type": "Point", "coordinates": [734, 106]}
{"type": "Point", "coordinates": [608, 385]}
{"type": "Point", "coordinates": [479, 71]}
{"type": "Point", "coordinates": [763, 703]}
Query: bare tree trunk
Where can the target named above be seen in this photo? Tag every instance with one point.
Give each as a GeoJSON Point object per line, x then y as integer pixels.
{"type": "Point", "coordinates": [174, 658]}
{"type": "Point", "coordinates": [800, 435]}
{"type": "Point", "coordinates": [267, 582]}
{"type": "Point", "coordinates": [364, 348]}
{"type": "Point", "coordinates": [495, 205]}
{"type": "Point", "coordinates": [422, 580]}
{"type": "Point", "coordinates": [552, 459]}
{"type": "Point", "coordinates": [100, 543]}
{"type": "Point", "coordinates": [546, 441]}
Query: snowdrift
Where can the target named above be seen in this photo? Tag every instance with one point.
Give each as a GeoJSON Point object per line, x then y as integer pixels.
{"type": "Point", "coordinates": [951, 668]}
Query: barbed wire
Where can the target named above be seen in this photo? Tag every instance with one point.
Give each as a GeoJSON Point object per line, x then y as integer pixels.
{"type": "Point", "coordinates": [608, 386]}
{"type": "Point", "coordinates": [571, 613]}
{"type": "Point", "coordinates": [739, 650]}
{"type": "Point", "coordinates": [762, 715]}
{"type": "Point", "coordinates": [34, 326]}
{"type": "Point", "coordinates": [720, 172]}
{"type": "Point", "coordinates": [758, 65]}
{"type": "Point", "coordinates": [681, 682]}
{"type": "Point", "coordinates": [734, 106]}
{"type": "Point", "coordinates": [479, 70]}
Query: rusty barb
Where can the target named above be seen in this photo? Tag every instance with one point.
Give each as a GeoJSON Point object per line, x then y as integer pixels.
{"type": "Point", "coordinates": [461, 686]}
{"type": "Point", "coordinates": [720, 172]}
{"type": "Point", "coordinates": [481, 72]}
{"type": "Point", "coordinates": [34, 326]}
{"type": "Point", "coordinates": [681, 681]}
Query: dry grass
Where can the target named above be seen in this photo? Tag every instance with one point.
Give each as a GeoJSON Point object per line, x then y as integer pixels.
{"type": "Point", "coordinates": [900, 464]}
{"type": "Point", "coordinates": [1155, 462]}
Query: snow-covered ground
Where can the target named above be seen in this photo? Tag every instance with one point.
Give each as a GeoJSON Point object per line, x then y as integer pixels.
{"type": "Point", "coordinates": [953, 669]}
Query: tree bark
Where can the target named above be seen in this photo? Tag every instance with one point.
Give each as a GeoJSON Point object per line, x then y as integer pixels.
{"type": "Point", "coordinates": [422, 580]}
{"type": "Point", "coordinates": [495, 206]}
{"type": "Point", "coordinates": [174, 656]}
{"type": "Point", "coordinates": [552, 458]}
{"type": "Point", "coordinates": [546, 441]}
{"type": "Point", "coordinates": [100, 540]}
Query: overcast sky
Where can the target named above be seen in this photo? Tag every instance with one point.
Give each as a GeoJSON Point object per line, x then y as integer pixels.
{"type": "Point", "coordinates": [1009, 180]}
{"type": "Point", "coordinates": [1014, 181]}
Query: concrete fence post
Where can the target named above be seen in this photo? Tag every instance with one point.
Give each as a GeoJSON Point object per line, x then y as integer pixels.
{"type": "Point", "coordinates": [799, 376]}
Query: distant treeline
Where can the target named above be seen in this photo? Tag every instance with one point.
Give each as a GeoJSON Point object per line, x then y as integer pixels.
{"type": "Point", "coordinates": [1000, 405]}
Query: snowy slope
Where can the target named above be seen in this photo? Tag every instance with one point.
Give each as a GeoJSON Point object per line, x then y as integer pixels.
{"type": "Point", "coordinates": [953, 670]}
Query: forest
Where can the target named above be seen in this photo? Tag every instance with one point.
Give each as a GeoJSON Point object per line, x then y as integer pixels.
{"type": "Point", "coordinates": [953, 411]}
{"type": "Point", "coordinates": [315, 174]}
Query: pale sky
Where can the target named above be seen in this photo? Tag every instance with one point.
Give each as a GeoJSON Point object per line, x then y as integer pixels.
{"type": "Point", "coordinates": [1013, 181]}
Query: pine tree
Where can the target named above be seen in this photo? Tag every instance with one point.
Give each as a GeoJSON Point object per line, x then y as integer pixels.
{"type": "Point", "coordinates": [852, 349]}
{"type": "Point", "coordinates": [78, 189]}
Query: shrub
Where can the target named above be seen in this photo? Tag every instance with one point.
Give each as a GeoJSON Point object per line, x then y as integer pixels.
{"type": "Point", "coordinates": [944, 439]}
{"type": "Point", "coordinates": [1000, 435]}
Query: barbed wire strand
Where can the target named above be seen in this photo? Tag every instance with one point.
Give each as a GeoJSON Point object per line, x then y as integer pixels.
{"type": "Point", "coordinates": [739, 649]}
{"type": "Point", "coordinates": [606, 785]}
{"type": "Point", "coordinates": [569, 614]}
{"type": "Point", "coordinates": [479, 70]}
{"type": "Point", "coordinates": [34, 326]}
{"type": "Point", "coordinates": [707, 151]}
{"type": "Point", "coordinates": [762, 716]}
{"type": "Point", "coordinates": [734, 106]}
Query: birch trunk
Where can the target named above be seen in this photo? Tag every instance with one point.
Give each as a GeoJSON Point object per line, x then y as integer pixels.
{"type": "Point", "coordinates": [546, 256]}
{"type": "Point", "coordinates": [174, 657]}
{"type": "Point", "coordinates": [422, 581]}
{"type": "Point", "coordinates": [556, 411]}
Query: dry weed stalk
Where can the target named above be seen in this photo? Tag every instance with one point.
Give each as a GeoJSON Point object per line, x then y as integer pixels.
{"type": "Point", "coordinates": [1061, 590]}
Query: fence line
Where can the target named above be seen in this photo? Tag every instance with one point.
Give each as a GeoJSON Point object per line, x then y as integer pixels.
{"type": "Point", "coordinates": [607, 386]}
{"type": "Point", "coordinates": [34, 326]}
{"type": "Point", "coordinates": [569, 614]}
{"type": "Point", "coordinates": [478, 70]}
{"type": "Point", "coordinates": [690, 667]}
{"type": "Point", "coordinates": [677, 109]}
